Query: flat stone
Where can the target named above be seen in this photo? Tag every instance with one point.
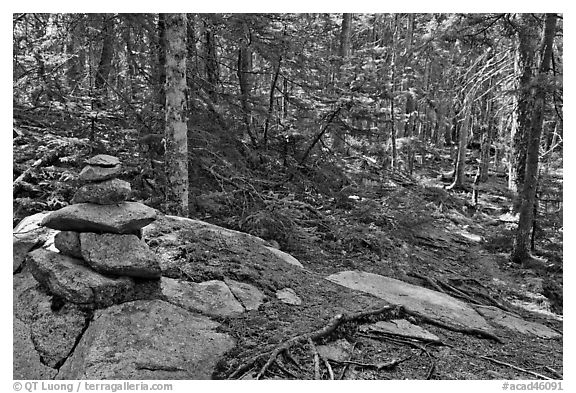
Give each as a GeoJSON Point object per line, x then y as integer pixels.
{"type": "Point", "coordinates": [53, 330]}
{"type": "Point", "coordinates": [288, 296]}
{"type": "Point", "coordinates": [435, 305]}
{"type": "Point", "coordinates": [284, 256]}
{"type": "Point", "coordinates": [72, 280]}
{"type": "Point", "coordinates": [127, 217]}
{"type": "Point", "coordinates": [98, 173]}
{"type": "Point", "coordinates": [509, 321]}
{"type": "Point", "coordinates": [119, 255]}
{"type": "Point", "coordinates": [401, 327]}
{"type": "Point", "coordinates": [338, 350]}
{"type": "Point", "coordinates": [147, 340]}
{"type": "Point", "coordinates": [212, 298]}
{"type": "Point", "coordinates": [26, 364]}
{"type": "Point", "coordinates": [104, 160]}
{"type": "Point", "coordinates": [250, 296]}
{"type": "Point", "coordinates": [68, 243]}
{"type": "Point", "coordinates": [108, 192]}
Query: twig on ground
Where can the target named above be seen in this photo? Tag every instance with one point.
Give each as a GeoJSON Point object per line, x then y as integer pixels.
{"type": "Point", "coordinates": [328, 367]}
{"type": "Point", "coordinates": [540, 376]}
{"type": "Point", "coordinates": [554, 372]}
{"type": "Point", "coordinates": [283, 367]}
{"type": "Point", "coordinates": [315, 335]}
{"type": "Point", "coordinates": [316, 359]}
{"type": "Point", "coordinates": [377, 366]}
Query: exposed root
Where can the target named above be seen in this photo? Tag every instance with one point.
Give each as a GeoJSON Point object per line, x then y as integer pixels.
{"type": "Point", "coordinates": [471, 331]}
{"type": "Point", "coordinates": [306, 337]}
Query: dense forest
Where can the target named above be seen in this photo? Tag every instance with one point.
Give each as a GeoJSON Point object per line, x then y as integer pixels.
{"type": "Point", "coordinates": [337, 137]}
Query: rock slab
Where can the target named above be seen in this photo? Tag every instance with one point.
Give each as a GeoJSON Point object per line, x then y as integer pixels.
{"type": "Point", "coordinates": [284, 256]}
{"type": "Point", "coordinates": [119, 255]}
{"type": "Point", "coordinates": [512, 322]}
{"type": "Point", "coordinates": [212, 298]}
{"type": "Point", "coordinates": [127, 217]}
{"type": "Point", "coordinates": [71, 279]}
{"type": "Point", "coordinates": [26, 362]}
{"type": "Point", "coordinates": [250, 296]}
{"type": "Point", "coordinates": [401, 327]}
{"type": "Point", "coordinates": [435, 305]}
{"type": "Point", "coordinates": [53, 330]}
{"type": "Point", "coordinates": [147, 340]}
{"type": "Point", "coordinates": [108, 192]}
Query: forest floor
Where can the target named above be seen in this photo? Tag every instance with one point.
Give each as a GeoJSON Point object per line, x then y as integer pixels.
{"type": "Point", "coordinates": [388, 223]}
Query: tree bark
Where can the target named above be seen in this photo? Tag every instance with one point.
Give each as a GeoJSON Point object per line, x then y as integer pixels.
{"type": "Point", "coordinates": [211, 61]}
{"type": "Point", "coordinates": [105, 64]}
{"type": "Point", "coordinates": [176, 131]}
{"type": "Point", "coordinates": [535, 92]}
{"type": "Point", "coordinates": [343, 53]}
{"type": "Point", "coordinates": [161, 68]}
{"type": "Point", "coordinates": [245, 79]}
{"type": "Point", "coordinates": [459, 173]}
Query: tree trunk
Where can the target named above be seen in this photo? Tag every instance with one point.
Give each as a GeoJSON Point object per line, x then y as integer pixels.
{"type": "Point", "coordinates": [535, 91]}
{"type": "Point", "coordinates": [161, 66]}
{"type": "Point", "coordinates": [105, 64]}
{"type": "Point", "coordinates": [271, 101]}
{"type": "Point", "coordinates": [211, 62]}
{"type": "Point", "coordinates": [459, 173]}
{"type": "Point", "coordinates": [343, 53]}
{"type": "Point", "coordinates": [176, 131]}
{"type": "Point", "coordinates": [245, 79]}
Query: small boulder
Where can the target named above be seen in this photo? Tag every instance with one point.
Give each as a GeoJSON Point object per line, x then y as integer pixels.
{"type": "Point", "coordinates": [68, 243]}
{"type": "Point", "coordinates": [72, 280]}
{"type": "Point", "coordinates": [126, 217]}
{"type": "Point", "coordinates": [338, 351]}
{"type": "Point", "coordinates": [98, 173]}
{"type": "Point", "coordinates": [108, 192]}
{"type": "Point", "coordinates": [288, 296]}
{"type": "Point", "coordinates": [104, 160]}
{"type": "Point", "coordinates": [119, 255]}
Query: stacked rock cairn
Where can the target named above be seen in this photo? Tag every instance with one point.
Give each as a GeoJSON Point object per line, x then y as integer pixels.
{"type": "Point", "coordinates": [100, 244]}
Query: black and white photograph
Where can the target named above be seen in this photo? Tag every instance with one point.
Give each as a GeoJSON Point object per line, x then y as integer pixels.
{"type": "Point", "coordinates": [287, 196]}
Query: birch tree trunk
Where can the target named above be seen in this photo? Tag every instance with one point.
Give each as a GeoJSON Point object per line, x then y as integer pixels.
{"type": "Point", "coordinates": [176, 131]}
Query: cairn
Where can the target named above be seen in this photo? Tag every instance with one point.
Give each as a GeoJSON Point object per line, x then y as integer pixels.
{"type": "Point", "coordinates": [100, 241]}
